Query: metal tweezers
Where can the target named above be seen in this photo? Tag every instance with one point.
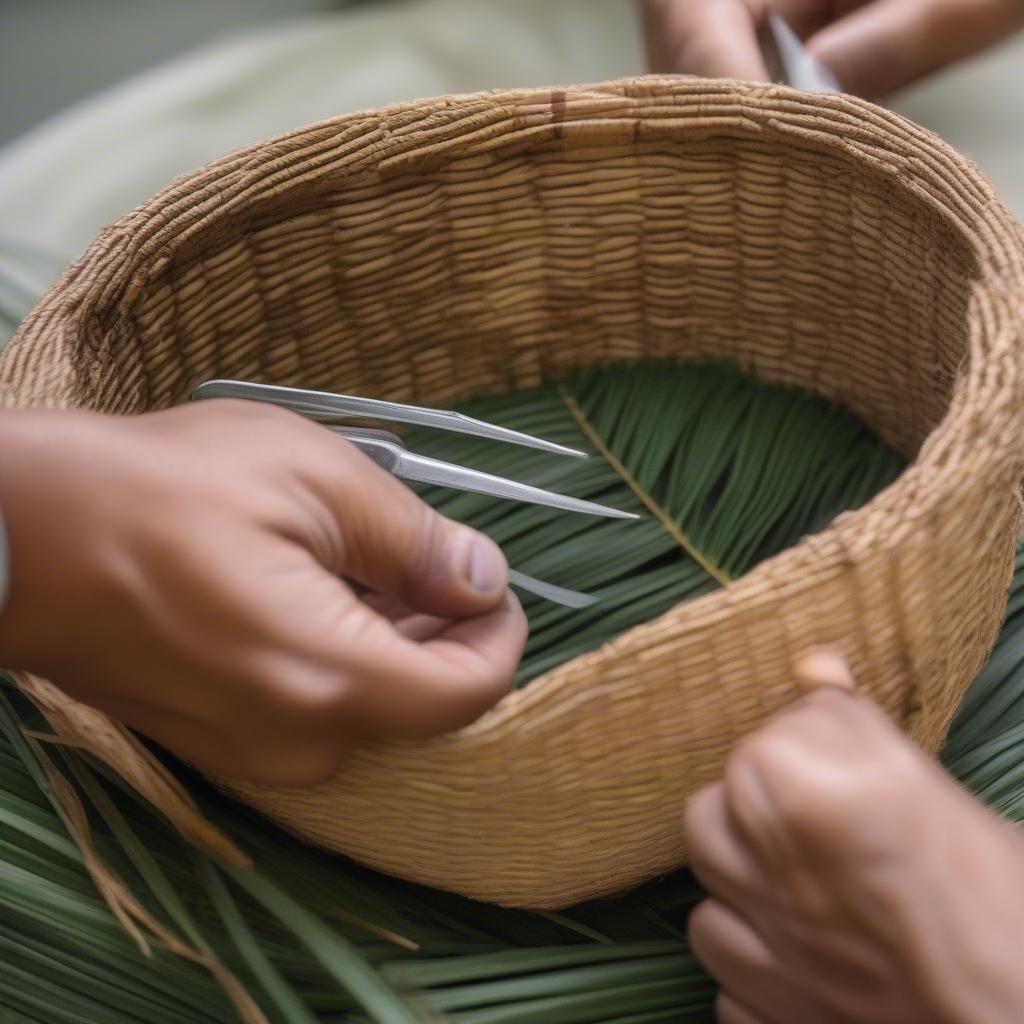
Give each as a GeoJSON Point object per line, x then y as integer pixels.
{"type": "Point", "coordinates": [386, 449]}
{"type": "Point", "coordinates": [789, 61]}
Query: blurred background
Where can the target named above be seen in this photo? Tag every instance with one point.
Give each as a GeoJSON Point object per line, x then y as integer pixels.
{"type": "Point", "coordinates": [102, 102]}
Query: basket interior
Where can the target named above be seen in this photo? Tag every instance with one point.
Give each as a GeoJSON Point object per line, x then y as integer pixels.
{"type": "Point", "coordinates": [493, 272]}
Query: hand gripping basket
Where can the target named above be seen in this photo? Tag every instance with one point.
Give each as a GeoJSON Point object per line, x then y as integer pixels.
{"type": "Point", "coordinates": [483, 243]}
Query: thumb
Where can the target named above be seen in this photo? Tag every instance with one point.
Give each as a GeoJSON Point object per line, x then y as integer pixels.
{"type": "Point", "coordinates": [393, 541]}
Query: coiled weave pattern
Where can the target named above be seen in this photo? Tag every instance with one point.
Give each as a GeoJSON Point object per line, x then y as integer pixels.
{"type": "Point", "coordinates": [485, 242]}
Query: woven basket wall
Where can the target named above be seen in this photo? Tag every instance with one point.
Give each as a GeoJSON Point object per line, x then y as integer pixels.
{"type": "Point", "coordinates": [483, 243]}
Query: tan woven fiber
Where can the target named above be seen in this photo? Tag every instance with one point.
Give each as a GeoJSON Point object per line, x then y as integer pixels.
{"type": "Point", "coordinates": [483, 243]}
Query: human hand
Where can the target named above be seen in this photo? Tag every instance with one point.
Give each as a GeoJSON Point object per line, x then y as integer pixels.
{"type": "Point", "coordinates": [181, 571]}
{"type": "Point", "coordinates": [872, 46]}
{"type": "Point", "coordinates": [850, 879]}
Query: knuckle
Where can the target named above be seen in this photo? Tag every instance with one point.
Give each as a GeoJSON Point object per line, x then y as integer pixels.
{"type": "Point", "coordinates": [806, 777]}
{"type": "Point", "coordinates": [763, 779]}
{"type": "Point", "coordinates": [475, 696]}
{"type": "Point", "coordinates": [700, 929]}
{"type": "Point", "coordinates": [315, 701]}
{"type": "Point", "coordinates": [756, 755]}
{"type": "Point", "coordinates": [698, 812]}
{"type": "Point", "coordinates": [425, 539]}
{"type": "Point", "coordinates": [303, 701]}
{"type": "Point", "coordinates": [698, 923]}
{"type": "Point", "coordinates": [491, 684]}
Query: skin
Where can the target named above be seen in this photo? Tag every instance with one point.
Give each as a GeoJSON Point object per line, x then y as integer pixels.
{"type": "Point", "coordinates": [874, 47]}
{"type": "Point", "coordinates": [850, 880]}
{"type": "Point", "coordinates": [245, 587]}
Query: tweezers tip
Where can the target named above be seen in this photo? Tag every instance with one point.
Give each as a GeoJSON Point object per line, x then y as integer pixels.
{"type": "Point", "coordinates": [561, 449]}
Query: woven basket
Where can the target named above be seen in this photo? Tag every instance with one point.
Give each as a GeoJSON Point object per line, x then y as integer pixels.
{"type": "Point", "coordinates": [484, 243]}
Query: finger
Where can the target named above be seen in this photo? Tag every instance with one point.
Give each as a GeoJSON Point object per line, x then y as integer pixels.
{"type": "Point", "coordinates": [830, 714]}
{"type": "Point", "coordinates": [414, 625]}
{"type": "Point", "coordinates": [805, 17]}
{"type": "Point", "coordinates": [413, 690]}
{"type": "Point", "coordinates": [729, 1011]}
{"type": "Point", "coordinates": [421, 627]}
{"type": "Point", "coordinates": [770, 780]}
{"type": "Point", "coordinates": [393, 541]}
{"type": "Point", "coordinates": [734, 954]}
{"type": "Point", "coordinates": [888, 44]}
{"type": "Point", "coordinates": [716, 39]}
{"type": "Point", "coordinates": [717, 854]}
{"type": "Point", "coordinates": [390, 607]}
{"type": "Point", "coordinates": [820, 668]}
{"type": "Point", "coordinates": [793, 787]}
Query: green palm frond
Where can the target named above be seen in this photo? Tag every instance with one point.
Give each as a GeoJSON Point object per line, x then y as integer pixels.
{"type": "Point", "coordinates": [743, 471]}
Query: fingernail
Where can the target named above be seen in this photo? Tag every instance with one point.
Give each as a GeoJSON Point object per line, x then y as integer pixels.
{"type": "Point", "coordinates": [822, 667]}
{"type": "Point", "coordinates": [487, 569]}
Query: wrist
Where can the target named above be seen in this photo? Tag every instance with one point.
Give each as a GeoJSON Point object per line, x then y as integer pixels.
{"type": "Point", "coordinates": [36, 503]}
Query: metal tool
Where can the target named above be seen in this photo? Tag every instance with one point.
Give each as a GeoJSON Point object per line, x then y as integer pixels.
{"type": "Point", "coordinates": [789, 61]}
{"type": "Point", "coordinates": [326, 407]}
{"type": "Point", "coordinates": [386, 449]}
